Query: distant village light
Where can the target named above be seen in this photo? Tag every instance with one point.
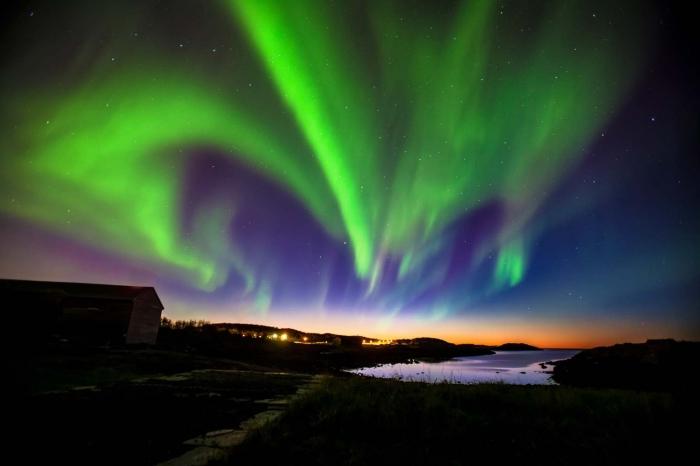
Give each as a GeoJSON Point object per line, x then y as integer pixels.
{"type": "Point", "coordinates": [283, 337]}
{"type": "Point", "coordinates": [377, 342]}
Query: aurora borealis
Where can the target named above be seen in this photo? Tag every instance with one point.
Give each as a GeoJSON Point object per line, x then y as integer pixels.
{"type": "Point", "coordinates": [471, 170]}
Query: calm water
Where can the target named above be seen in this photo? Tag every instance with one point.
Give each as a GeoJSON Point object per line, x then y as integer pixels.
{"type": "Point", "coordinates": [513, 367]}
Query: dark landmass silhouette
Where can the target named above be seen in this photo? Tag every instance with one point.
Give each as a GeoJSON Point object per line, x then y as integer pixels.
{"type": "Point", "coordinates": [292, 349]}
{"type": "Point", "coordinates": [138, 405]}
{"type": "Point", "coordinates": [655, 365]}
{"type": "Point", "coordinates": [516, 347]}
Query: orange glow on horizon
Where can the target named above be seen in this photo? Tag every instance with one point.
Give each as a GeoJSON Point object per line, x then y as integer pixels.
{"type": "Point", "coordinates": [554, 332]}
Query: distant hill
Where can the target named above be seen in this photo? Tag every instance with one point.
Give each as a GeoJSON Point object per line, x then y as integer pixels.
{"type": "Point", "coordinates": [259, 331]}
{"type": "Point", "coordinates": [255, 330]}
{"type": "Point", "coordinates": [516, 347]}
{"type": "Point", "coordinates": [654, 365]}
{"type": "Point", "coordinates": [292, 349]}
{"type": "Point", "coordinates": [426, 346]}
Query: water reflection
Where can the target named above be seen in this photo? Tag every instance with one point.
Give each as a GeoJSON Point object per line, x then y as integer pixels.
{"type": "Point", "coordinates": [512, 367]}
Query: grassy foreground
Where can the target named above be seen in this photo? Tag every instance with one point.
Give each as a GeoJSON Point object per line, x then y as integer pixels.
{"type": "Point", "coordinates": [358, 420]}
{"type": "Point", "coordinates": [142, 421]}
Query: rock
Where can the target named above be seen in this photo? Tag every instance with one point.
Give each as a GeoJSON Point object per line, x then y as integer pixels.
{"type": "Point", "coordinates": [654, 365]}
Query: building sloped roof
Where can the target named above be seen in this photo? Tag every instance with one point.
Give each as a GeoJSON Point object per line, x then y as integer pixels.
{"type": "Point", "coordinates": [83, 290]}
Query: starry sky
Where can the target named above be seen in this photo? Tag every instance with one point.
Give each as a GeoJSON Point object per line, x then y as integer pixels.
{"type": "Point", "coordinates": [479, 171]}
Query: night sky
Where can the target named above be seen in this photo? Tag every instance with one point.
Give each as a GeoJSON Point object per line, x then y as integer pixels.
{"type": "Point", "coordinates": [476, 171]}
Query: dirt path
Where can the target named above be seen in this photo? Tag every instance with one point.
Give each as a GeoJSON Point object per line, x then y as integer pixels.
{"type": "Point", "coordinates": [216, 445]}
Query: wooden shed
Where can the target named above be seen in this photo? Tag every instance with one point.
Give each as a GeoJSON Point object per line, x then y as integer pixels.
{"type": "Point", "coordinates": [84, 312]}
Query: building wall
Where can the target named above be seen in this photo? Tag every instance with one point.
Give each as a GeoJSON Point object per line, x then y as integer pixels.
{"type": "Point", "coordinates": [94, 320]}
{"type": "Point", "coordinates": [145, 321]}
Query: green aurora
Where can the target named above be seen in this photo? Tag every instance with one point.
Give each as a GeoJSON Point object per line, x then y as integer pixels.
{"type": "Point", "coordinates": [388, 127]}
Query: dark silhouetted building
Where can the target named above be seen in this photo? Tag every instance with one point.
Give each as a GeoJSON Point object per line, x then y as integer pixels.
{"type": "Point", "coordinates": [81, 312]}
